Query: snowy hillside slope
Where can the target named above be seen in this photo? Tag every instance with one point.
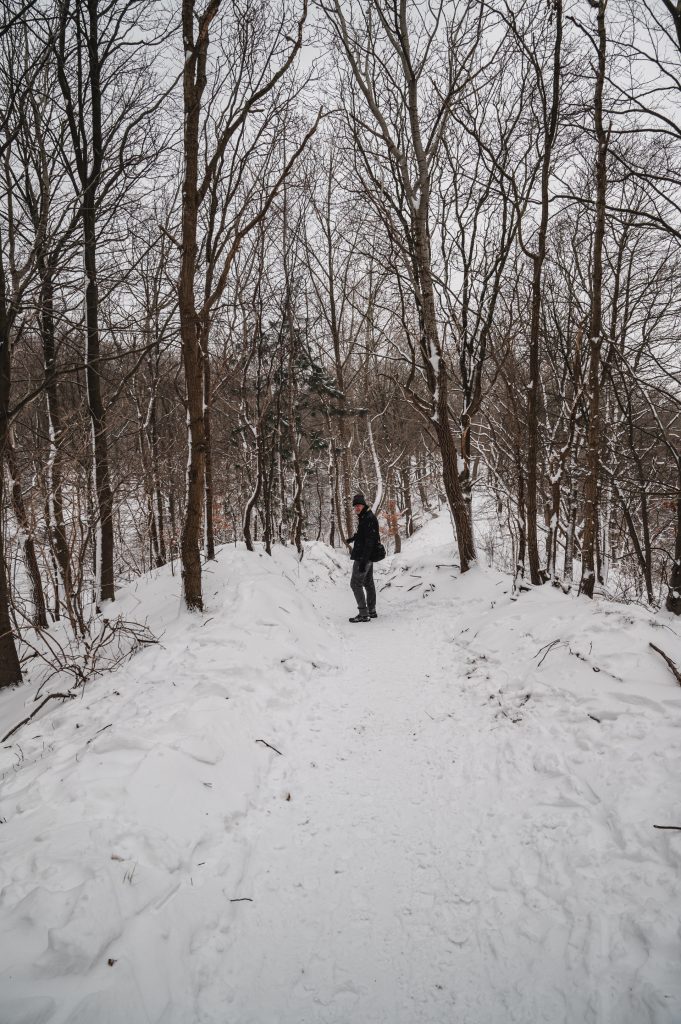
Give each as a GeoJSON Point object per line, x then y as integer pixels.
{"type": "Point", "coordinates": [455, 825]}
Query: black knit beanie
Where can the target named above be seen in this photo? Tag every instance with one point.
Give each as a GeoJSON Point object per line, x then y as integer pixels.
{"type": "Point", "coordinates": [359, 499]}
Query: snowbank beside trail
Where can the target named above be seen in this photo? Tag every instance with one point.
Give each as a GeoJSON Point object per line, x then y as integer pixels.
{"type": "Point", "coordinates": [122, 811]}
{"type": "Point", "coordinates": [583, 761]}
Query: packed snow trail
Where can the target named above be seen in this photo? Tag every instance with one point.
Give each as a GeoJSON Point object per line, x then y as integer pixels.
{"type": "Point", "coordinates": [441, 857]}
{"type": "Point", "coordinates": [455, 825]}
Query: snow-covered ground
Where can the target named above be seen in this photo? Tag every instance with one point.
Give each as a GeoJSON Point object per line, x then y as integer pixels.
{"type": "Point", "coordinates": [455, 825]}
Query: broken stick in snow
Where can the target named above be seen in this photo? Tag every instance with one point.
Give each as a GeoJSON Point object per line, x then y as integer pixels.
{"type": "Point", "coordinates": [669, 661]}
{"type": "Point", "coordinates": [52, 696]}
{"type": "Point", "coordinates": [266, 744]}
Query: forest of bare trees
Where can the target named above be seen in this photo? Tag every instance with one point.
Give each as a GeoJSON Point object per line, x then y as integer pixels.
{"type": "Point", "coordinates": [259, 254]}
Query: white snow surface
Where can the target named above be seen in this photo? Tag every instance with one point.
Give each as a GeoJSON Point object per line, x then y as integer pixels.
{"type": "Point", "coordinates": [458, 828]}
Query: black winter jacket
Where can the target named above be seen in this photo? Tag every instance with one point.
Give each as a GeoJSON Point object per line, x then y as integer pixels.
{"type": "Point", "coordinates": [366, 538]}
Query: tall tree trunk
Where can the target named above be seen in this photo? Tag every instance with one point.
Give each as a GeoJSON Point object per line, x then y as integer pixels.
{"type": "Point", "coordinates": [10, 669]}
{"type": "Point", "coordinates": [538, 259]}
{"type": "Point", "coordinates": [104, 497]}
{"type": "Point", "coordinates": [589, 539]}
{"type": "Point", "coordinates": [533, 412]}
{"type": "Point", "coordinates": [436, 374]}
{"type": "Point", "coordinates": [193, 82]}
{"type": "Point", "coordinates": [104, 541]}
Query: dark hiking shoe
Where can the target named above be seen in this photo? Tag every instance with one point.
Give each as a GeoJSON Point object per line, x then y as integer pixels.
{"type": "Point", "coordinates": [360, 617]}
{"type": "Point", "coordinates": [373, 614]}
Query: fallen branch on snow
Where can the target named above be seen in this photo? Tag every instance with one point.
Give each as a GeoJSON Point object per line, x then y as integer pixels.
{"type": "Point", "coordinates": [51, 696]}
{"type": "Point", "coordinates": [547, 648]}
{"type": "Point", "coordinates": [671, 828]}
{"type": "Point", "coordinates": [669, 661]}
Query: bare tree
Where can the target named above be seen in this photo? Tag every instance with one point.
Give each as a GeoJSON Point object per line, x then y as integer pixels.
{"type": "Point", "coordinates": [258, 71]}
{"type": "Point", "coordinates": [594, 433]}
{"type": "Point", "coordinates": [408, 68]}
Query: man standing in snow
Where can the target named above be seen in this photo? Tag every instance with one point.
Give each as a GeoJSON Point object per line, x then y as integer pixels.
{"type": "Point", "coordinates": [363, 547]}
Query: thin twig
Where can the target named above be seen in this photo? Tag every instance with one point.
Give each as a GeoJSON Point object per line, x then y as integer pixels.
{"type": "Point", "coordinates": [103, 729]}
{"type": "Point", "coordinates": [671, 828]}
{"type": "Point", "coordinates": [547, 648]}
{"type": "Point", "coordinates": [266, 744]}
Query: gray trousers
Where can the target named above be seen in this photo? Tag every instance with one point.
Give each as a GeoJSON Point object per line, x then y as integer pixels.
{"type": "Point", "coordinates": [361, 582]}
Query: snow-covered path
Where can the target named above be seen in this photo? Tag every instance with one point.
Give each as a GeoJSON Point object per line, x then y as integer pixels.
{"type": "Point", "coordinates": [443, 856]}
{"type": "Point", "coordinates": [458, 828]}
{"type": "Point", "coordinates": [359, 907]}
